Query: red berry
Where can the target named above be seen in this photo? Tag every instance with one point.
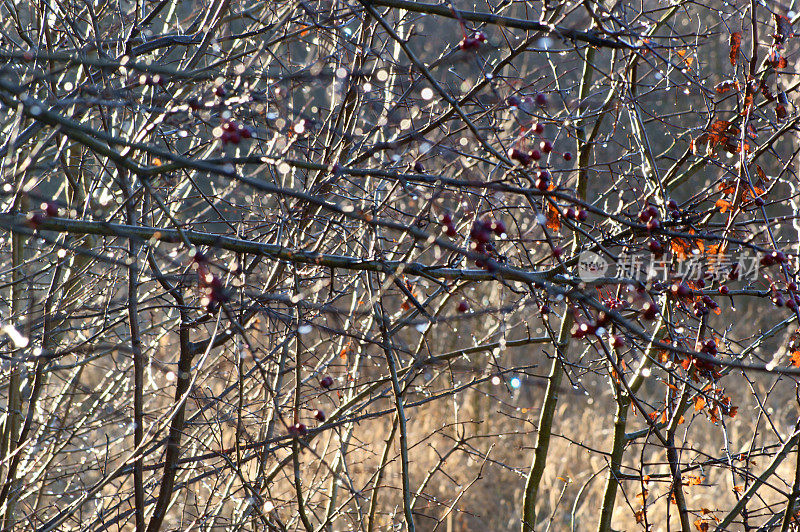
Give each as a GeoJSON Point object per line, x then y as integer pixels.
{"type": "Point", "coordinates": [681, 290]}
{"type": "Point", "coordinates": [34, 219]}
{"type": "Point", "coordinates": [498, 227]}
{"type": "Point", "coordinates": [517, 155]}
{"type": "Point", "coordinates": [220, 91]}
{"type": "Point", "coordinates": [655, 247]}
{"type": "Point", "coordinates": [544, 309]}
{"type": "Point", "coordinates": [535, 155]}
{"type": "Point", "coordinates": [469, 44]}
{"type": "Point", "coordinates": [319, 415]}
{"type": "Point", "coordinates": [652, 211]}
{"type": "Point", "coordinates": [557, 251]}
{"type": "Point", "coordinates": [326, 382]}
{"type": "Point", "coordinates": [463, 306]}
{"type": "Point", "coordinates": [450, 231]}
{"type": "Point", "coordinates": [569, 214]}
{"type": "Point", "coordinates": [298, 430]}
{"type": "Point", "coordinates": [653, 225]}
{"type": "Point", "coordinates": [446, 218]}
{"type": "Point", "coordinates": [245, 132]}
{"type": "Point", "coordinates": [724, 290]}
{"type": "Point", "coordinates": [541, 100]}
{"type": "Point", "coordinates": [512, 101]}
{"type": "Point", "coordinates": [538, 128]}
{"type": "Point", "coordinates": [543, 183]}
{"type": "Point", "coordinates": [792, 286]}
{"type": "Point", "coordinates": [617, 342]}
{"type": "Point", "coordinates": [567, 156]}
{"type": "Point", "coordinates": [649, 311]}
{"type": "Point", "coordinates": [583, 215]}
{"type": "Point", "coordinates": [50, 209]}
{"type": "Point", "coordinates": [672, 205]}
{"type": "Point", "coordinates": [546, 146]}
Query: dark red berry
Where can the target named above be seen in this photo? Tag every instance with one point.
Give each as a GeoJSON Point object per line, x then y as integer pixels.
{"type": "Point", "coordinates": [542, 184]}
{"type": "Point", "coordinates": [245, 132]}
{"type": "Point", "coordinates": [569, 214]}
{"type": "Point", "coordinates": [220, 91]}
{"type": "Point", "coordinates": [194, 104]}
{"type": "Point", "coordinates": [450, 231]}
{"type": "Point", "coordinates": [326, 382]}
{"type": "Point", "coordinates": [50, 209]}
{"type": "Point", "coordinates": [541, 100]}
{"type": "Point", "coordinates": [535, 155]}
{"type": "Point", "coordinates": [546, 146]}
{"type": "Point", "coordinates": [298, 430]}
{"type": "Point", "coordinates": [34, 219]}
{"type": "Point", "coordinates": [681, 290]}
{"type": "Point", "coordinates": [655, 247]}
{"type": "Point", "coordinates": [582, 215]}
{"type": "Point", "coordinates": [557, 251]}
{"type": "Point", "coordinates": [469, 44]}
{"type": "Point", "coordinates": [724, 290]}
{"type": "Point", "coordinates": [463, 306]}
{"type": "Point", "coordinates": [544, 309]}
{"type": "Point", "coordinates": [539, 129]}
{"type": "Point", "coordinates": [512, 101]}
{"type": "Point", "coordinates": [672, 205]}
{"type": "Point", "coordinates": [498, 227]}
{"type": "Point", "coordinates": [446, 218]}
{"type": "Point", "coordinates": [652, 211]}
{"type": "Point", "coordinates": [617, 342]}
{"type": "Point", "coordinates": [653, 225]}
{"type": "Point", "coordinates": [520, 156]}
{"type": "Point", "coordinates": [319, 415]}
{"type": "Point", "coordinates": [649, 311]}
{"type": "Point", "coordinates": [567, 156]}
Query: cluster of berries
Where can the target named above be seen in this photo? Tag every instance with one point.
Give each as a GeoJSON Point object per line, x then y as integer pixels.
{"type": "Point", "coordinates": [481, 236]}
{"type": "Point", "coordinates": [211, 287]}
{"type": "Point", "coordinates": [470, 43]}
{"type": "Point", "coordinates": [298, 430]}
{"type": "Point", "coordinates": [49, 210]}
{"type": "Point", "coordinates": [231, 132]}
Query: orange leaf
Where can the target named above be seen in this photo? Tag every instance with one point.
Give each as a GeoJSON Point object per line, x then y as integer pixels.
{"type": "Point", "coordinates": [726, 86]}
{"type": "Point", "coordinates": [723, 205]}
{"type": "Point", "coordinates": [553, 218]}
{"type": "Point", "coordinates": [699, 403]}
{"type": "Point", "coordinates": [736, 43]}
{"type": "Point", "coordinates": [701, 525]}
{"type": "Point", "coordinates": [796, 358]}
{"type": "Point", "coordinates": [680, 247]}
